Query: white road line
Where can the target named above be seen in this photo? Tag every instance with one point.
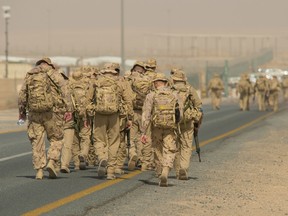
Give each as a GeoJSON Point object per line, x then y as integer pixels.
{"type": "Point", "coordinates": [15, 156]}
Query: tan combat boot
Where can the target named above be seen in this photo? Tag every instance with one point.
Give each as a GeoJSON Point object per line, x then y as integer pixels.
{"type": "Point", "coordinates": [39, 174]}
{"type": "Point", "coordinates": [51, 169]}
{"type": "Point", "coordinates": [132, 163]}
{"type": "Point", "coordinates": [64, 169]}
{"type": "Point", "coordinates": [82, 160]}
{"type": "Point", "coordinates": [183, 174]}
{"type": "Point", "coordinates": [164, 177]}
{"type": "Point", "coordinates": [102, 168]}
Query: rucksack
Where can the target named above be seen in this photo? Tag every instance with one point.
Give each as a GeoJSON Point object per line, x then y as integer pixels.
{"type": "Point", "coordinates": [243, 87]}
{"type": "Point", "coordinates": [107, 98]}
{"type": "Point", "coordinates": [215, 84]}
{"type": "Point", "coordinates": [141, 85]}
{"type": "Point", "coordinates": [164, 110]}
{"type": "Point", "coordinates": [40, 97]}
{"type": "Point", "coordinates": [261, 85]}
{"type": "Point", "coordinates": [273, 85]}
{"type": "Point", "coordinates": [79, 96]}
{"type": "Point", "coordinates": [188, 112]}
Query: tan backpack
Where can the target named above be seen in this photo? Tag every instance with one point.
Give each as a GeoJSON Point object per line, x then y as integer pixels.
{"type": "Point", "coordinates": [107, 97]}
{"type": "Point", "coordinates": [40, 97]}
{"type": "Point", "coordinates": [141, 85]}
{"type": "Point", "coordinates": [79, 96]}
{"type": "Point", "coordinates": [164, 110]}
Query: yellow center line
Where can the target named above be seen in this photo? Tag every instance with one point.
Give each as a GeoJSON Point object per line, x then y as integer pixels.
{"type": "Point", "coordinates": [73, 197]}
{"type": "Point", "coordinates": [83, 193]}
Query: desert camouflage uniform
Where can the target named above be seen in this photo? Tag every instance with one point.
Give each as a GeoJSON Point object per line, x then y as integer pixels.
{"type": "Point", "coordinates": [216, 88]}
{"type": "Point", "coordinates": [163, 139]}
{"type": "Point", "coordinates": [261, 88]}
{"type": "Point", "coordinates": [284, 85]}
{"type": "Point", "coordinates": [245, 90]}
{"type": "Point", "coordinates": [193, 105]}
{"type": "Point", "coordinates": [50, 122]}
{"type": "Point", "coordinates": [106, 134]}
{"type": "Point", "coordinates": [274, 89]}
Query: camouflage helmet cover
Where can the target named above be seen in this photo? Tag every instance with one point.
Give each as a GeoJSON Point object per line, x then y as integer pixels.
{"type": "Point", "coordinates": [178, 75]}
{"type": "Point", "coordinates": [46, 60]}
{"type": "Point", "coordinates": [151, 63]}
{"type": "Point", "coordinates": [111, 68]}
{"type": "Point", "coordinates": [160, 77]}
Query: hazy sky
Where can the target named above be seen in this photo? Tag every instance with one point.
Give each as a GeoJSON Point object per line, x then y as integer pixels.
{"type": "Point", "coordinates": [92, 27]}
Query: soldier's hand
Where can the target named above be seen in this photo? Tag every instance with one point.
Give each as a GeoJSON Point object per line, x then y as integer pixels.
{"type": "Point", "coordinates": [129, 124]}
{"type": "Point", "coordinates": [86, 124]}
{"type": "Point", "coordinates": [144, 138]}
{"type": "Point", "coordinates": [68, 116]}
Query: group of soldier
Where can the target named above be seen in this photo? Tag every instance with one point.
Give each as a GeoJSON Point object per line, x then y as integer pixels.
{"type": "Point", "coordinates": [267, 91]}
{"type": "Point", "coordinates": [97, 117]}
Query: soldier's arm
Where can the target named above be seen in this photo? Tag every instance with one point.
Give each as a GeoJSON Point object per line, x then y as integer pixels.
{"type": "Point", "coordinates": [197, 103]}
{"type": "Point", "coordinates": [127, 99]}
{"type": "Point", "coordinates": [147, 112]}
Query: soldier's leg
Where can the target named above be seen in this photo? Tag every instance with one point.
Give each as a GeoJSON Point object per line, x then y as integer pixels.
{"type": "Point", "coordinates": [76, 150]}
{"type": "Point", "coordinates": [156, 135]}
{"type": "Point", "coordinates": [147, 152]}
{"type": "Point", "coordinates": [121, 154]}
{"type": "Point", "coordinates": [213, 99]}
{"type": "Point", "coordinates": [186, 139]}
{"type": "Point", "coordinates": [135, 151]}
{"type": "Point", "coordinates": [55, 134]}
{"type": "Point", "coordinates": [84, 144]}
{"type": "Point", "coordinates": [36, 135]}
{"type": "Point", "coordinates": [169, 152]}
{"type": "Point", "coordinates": [66, 153]}
{"type": "Point", "coordinates": [101, 142]}
{"type": "Point", "coordinates": [113, 135]}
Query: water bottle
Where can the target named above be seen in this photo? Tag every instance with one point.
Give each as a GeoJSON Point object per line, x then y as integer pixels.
{"type": "Point", "coordinates": [20, 122]}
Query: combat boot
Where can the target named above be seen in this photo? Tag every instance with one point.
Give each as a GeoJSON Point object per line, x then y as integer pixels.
{"type": "Point", "coordinates": [39, 174]}
{"type": "Point", "coordinates": [64, 169]}
{"type": "Point", "coordinates": [110, 176]}
{"type": "Point", "coordinates": [82, 160]}
{"type": "Point", "coordinates": [102, 168]}
{"type": "Point", "coordinates": [119, 171]}
{"type": "Point", "coordinates": [164, 177]}
{"type": "Point", "coordinates": [132, 163]}
{"type": "Point", "coordinates": [51, 169]}
{"type": "Point", "coordinates": [183, 174]}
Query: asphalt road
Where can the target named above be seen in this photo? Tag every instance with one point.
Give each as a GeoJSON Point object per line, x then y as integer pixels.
{"type": "Point", "coordinates": [75, 193]}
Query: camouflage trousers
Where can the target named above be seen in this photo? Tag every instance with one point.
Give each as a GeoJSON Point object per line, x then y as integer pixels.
{"type": "Point", "coordinates": [106, 136]}
{"type": "Point", "coordinates": [261, 100]}
{"type": "Point", "coordinates": [144, 152]}
{"type": "Point", "coordinates": [51, 123]}
{"type": "Point", "coordinates": [122, 151]}
{"type": "Point", "coordinates": [216, 98]}
{"type": "Point", "coordinates": [244, 102]}
{"type": "Point", "coordinates": [66, 154]}
{"type": "Point", "coordinates": [274, 100]}
{"type": "Point", "coordinates": [285, 93]}
{"type": "Point", "coordinates": [184, 145]}
{"type": "Point", "coordinates": [165, 149]}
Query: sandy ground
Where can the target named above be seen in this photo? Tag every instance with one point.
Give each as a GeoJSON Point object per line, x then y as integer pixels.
{"type": "Point", "coordinates": [246, 175]}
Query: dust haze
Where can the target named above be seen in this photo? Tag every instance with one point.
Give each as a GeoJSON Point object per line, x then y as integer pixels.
{"type": "Point", "coordinates": [93, 27]}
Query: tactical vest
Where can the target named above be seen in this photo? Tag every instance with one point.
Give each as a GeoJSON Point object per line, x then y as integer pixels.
{"type": "Point", "coordinates": [40, 97]}
{"type": "Point", "coordinates": [164, 105]}
{"type": "Point", "coordinates": [107, 97]}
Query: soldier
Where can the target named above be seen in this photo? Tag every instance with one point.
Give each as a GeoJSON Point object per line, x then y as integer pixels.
{"type": "Point", "coordinates": [124, 131]}
{"type": "Point", "coordinates": [105, 96]}
{"type": "Point", "coordinates": [261, 89]}
{"type": "Point", "coordinates": [141, 85]}
{"type": "Point", "coordinates": [285, 87]}
{"type": "Point", "coordinates": [216, 88]}
{"type": "Point", "coordinates": [162, 110]}
{"type": "Point", "coordinates": [274, 89]}
{"type": "Point", "coordinates": [43, 95]}
{"type": "Point", "coordinates": [192, 114]}
{"type": "Point", "coordinates": [150, 67]}
{"type": "Point", "coordinates": [244, 89]}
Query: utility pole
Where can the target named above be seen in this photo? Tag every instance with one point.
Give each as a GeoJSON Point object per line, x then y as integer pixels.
{"type": "Point", "coordinates": [6, 16]}
{"type": "Point", "coordinates": [122, 38]}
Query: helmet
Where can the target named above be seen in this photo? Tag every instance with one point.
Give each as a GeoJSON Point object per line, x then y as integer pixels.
{"type": "Point", "coordinates": [160, 77]}
{"type": "Point", "coordinates": [151, 63]}
{"type": "Point", "coordinates": [178, 75]}
{"type": "Point", "coordinates": [111, 68]}
{"type": "Point", "coordinates": [46, 60]}
{"type": "Point", "coordinates": [139, 63]}
{"type": "Point", "coordinates": [77, 75]}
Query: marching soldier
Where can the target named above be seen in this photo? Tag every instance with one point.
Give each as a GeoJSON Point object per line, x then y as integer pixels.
{"type": "Point", "coordinates": [161, 110]}
{"type": "Point", "coordinates": [274, 89]}
{"type": "Point", "coordinates": [105, 96]}
{"type": "Point", "coordinates": [244, 89]}
{"type": "Point", "coordinates": [261, 89]}
{"type": "Point", "coordinates": [192, 114]}
{"type": "Point", "coordinates": [216, 87]}
{"type": "Point", "coordinates": [44, 96]}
